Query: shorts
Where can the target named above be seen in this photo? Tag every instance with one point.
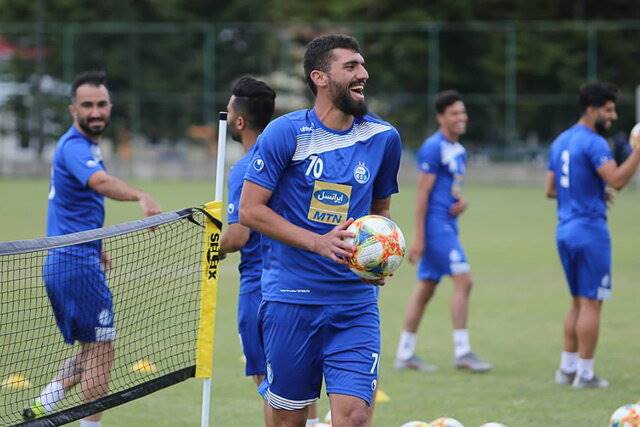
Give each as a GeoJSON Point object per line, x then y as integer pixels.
{"type": "Point", "coordinates": [443, 256]}
{"type": "Point", "coordinates": [303, 343]}
{"type": "Point", "coordinates": [585, 253]}
{"type": "Point", "coordinates": [250, 338]}
{"type": "Point", "coordinates": [81, 300]}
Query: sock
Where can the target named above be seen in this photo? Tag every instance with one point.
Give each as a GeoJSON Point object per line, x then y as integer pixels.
{"type": "Point", "coordinates": [87, 423]}
{"type": "Point", "coordinates": [312, 421]}
{"type": "Point", "coordinates": [461, 342]}
{"type": "Point", "coordinates": [51, 395]}
{"type": "Point", "coordinates": [406, 345]}
{"type": "Point", "coordinates": [568, 362]}
{"type": "Point", "coordinates": [585, 368]}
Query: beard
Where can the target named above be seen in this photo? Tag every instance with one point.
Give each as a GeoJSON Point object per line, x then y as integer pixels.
{"type": "Point", "coordinates": [341, 97]}
{"type": "Point", "coordinates": [601, 127]}
{"type": "Point", "coordinates": [233, 131]}
{"type": "Point", "coordinates": [93, 131]}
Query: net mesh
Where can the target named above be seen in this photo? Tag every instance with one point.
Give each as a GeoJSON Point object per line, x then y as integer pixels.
{"type": "Point", "coordinates": [153, 275]}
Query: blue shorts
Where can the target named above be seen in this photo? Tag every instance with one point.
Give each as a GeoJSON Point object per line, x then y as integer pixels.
{"type": "Point", "coordinates": [250, 338]}
{"type": "Point", "coordinates": [585, 253]}
{"type": "Point", "coordinates": [443, 256]}
{"type": "Point", "coordinates": [303, 343]}
{"type": "Point", "coordinates": [79, 295]}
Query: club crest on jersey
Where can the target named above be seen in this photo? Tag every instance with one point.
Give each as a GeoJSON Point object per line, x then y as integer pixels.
{"type": "Point", "coordinates": [258, 164]}
{"type": "Point", "coordinates": [231, 208]}
{"type": "Point", "coordinates": [329, 203]}
{"type": "Point", "coordinates": [361, 173]}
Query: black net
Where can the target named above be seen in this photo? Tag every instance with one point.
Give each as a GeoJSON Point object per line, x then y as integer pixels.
{"type": "Point", "coordinates": [153, 272]}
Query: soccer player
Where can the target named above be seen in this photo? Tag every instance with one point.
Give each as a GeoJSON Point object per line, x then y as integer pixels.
{"type": "Point", "coordinates": [580, 168]}
{"type": "Point", "coordinates": [439, 202]}
{"type": "Point", "coordinates": [313, 171]}
{"type": "Point", "coordinates": [75, 276]}
{"type": "Point", "coordinates": [250, 109]}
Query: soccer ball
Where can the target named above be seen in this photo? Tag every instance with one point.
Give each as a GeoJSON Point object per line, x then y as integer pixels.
{"type": "Point", "coordinates": [626, 416]}
{"type": "Point", "coordinates": [379, 244]}
{"type": "Point", "coordinates": [445, 422]}
{"type": "Point", "coordinates": [327, 417]}
{"type": "Point", "coordinates": [634, 135]}
{"type": "Point", "coordinates": [415, 424]}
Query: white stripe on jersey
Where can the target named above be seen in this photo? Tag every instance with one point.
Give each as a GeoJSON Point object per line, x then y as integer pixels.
{"type": "Point", "coordinates": [320, 141]}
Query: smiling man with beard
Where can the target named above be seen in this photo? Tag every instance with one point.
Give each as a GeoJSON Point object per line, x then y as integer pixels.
{"type": "Point", "coordinates": [580, 168]}
{"type": "Point", "coordinates": [436, 246]}
{"type": "Point", "coordinates": [75, 276]}
{"type": "Point", "coordinates": [313, 171]}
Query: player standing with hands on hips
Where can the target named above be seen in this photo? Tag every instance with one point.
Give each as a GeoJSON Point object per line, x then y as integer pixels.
{"type": "Point", "coordinates": [313, 171]}
{"type": "Point", "coordinates": [75, 276]}
{"type": "Point", "coordinates": [580, 168]}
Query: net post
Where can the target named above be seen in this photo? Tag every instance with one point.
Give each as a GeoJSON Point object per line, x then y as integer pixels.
{"type": "Point", "coordinates": [220, 162]}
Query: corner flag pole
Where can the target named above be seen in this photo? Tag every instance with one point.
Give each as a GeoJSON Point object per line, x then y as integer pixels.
{"type": "Point", "coordinates": [222, 138]}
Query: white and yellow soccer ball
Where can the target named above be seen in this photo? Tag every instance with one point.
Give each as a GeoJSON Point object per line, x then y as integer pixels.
{"type": "Point", "coordinates": [327, 417]}
{"type": "Point", "coordinates": [634, 135]}
{"type": "Point", "coordinates": [380, 247]}
{"type": "Point", "coordinates": [626, 416]}
{"type": "Point", "coordinates": [445, 422]}
{"type": "Point", "coordinates": [415, 424]}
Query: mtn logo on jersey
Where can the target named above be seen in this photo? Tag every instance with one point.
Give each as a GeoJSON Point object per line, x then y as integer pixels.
{"type": "Point", "coordinates": [361, 173]}
{"type": "Point", "coordinates": [329, 202]}
{"type": "Point", "coordinates": [258, 164]}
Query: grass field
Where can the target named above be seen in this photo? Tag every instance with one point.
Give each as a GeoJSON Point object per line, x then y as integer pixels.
{"type": "Point", "coordinates": [516, 314]}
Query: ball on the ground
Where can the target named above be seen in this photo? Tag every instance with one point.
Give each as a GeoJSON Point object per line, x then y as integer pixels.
{"type": "Point", "coordinates": [380, 247]}
{"type": "Point", "coordinates": [445, 422]}
{"type": "Point", "coordinates": [144, 366]}
{"type": "Point", "coordinates": [634, 135]}
{"type": "Point", "coordinates": [415, 424]}
{"type": "Point", "coordinates": [15, 382]}
{"type": "Point", "coordinates": [626, 416]}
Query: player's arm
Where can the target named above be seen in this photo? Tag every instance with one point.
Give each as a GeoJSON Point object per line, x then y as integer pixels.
{"type": "Point", "coordinates": [426, 182]}
{"type": "Point", "coordinates": [116, 189]}
{"type": "Point", "coordinates": [550, 185]}
{"type": "Point", "coordinates": [618, 176]}
{"type": "Point", "coordinates": [255, 214]}
{"type": "Point", "coordinates": [381, 207]}
{"type": "Point", "coordinates": [234, 238]}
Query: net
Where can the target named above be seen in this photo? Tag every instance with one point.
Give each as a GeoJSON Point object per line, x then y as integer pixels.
{"type": "Point", "coordinates": [154, 275]}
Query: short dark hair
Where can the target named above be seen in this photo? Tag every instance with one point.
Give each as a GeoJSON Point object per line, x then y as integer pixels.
{"type": "Point", "coordinates": [93, 78]}
{"type": "Point", "coordinates": [318, 54]}
{"type": "Point", "coordinates": [445, 99]}
{"type": "Point", "coordinates": [596, 94]}
{"type": "Point", "coordinates": [255, 100]}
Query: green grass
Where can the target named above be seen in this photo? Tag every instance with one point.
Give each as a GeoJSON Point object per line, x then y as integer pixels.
{"type": "Point", "coordinates": [516, 313]}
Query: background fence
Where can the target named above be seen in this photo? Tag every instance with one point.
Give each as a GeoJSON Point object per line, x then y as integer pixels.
{"type": "Point", "coordinates": [168, 80]}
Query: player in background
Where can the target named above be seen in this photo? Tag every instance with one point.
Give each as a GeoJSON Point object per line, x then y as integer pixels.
{"type": "Point", "coordinates": [250, 109]}
{"type": "Point", "coordinates": [580, 168]}
{"type": "Point", "coordinates": [439, 201]}
{"type": "Point", "coordinates": [75, 276]}
{"type": "Point", "coordinates": [313, 171]}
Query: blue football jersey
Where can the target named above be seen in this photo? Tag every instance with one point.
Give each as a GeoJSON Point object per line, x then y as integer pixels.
{"type": "Point", "coordinates": [574, 158]}
{"type": "Point", "coordinates": [73, 206]}
{"type": "Point", "coordinates": [446, 159]}
{"type": "Point", "coordinates": [320, 177]}
{"type": "Point", "coordinates": [250, 267]}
